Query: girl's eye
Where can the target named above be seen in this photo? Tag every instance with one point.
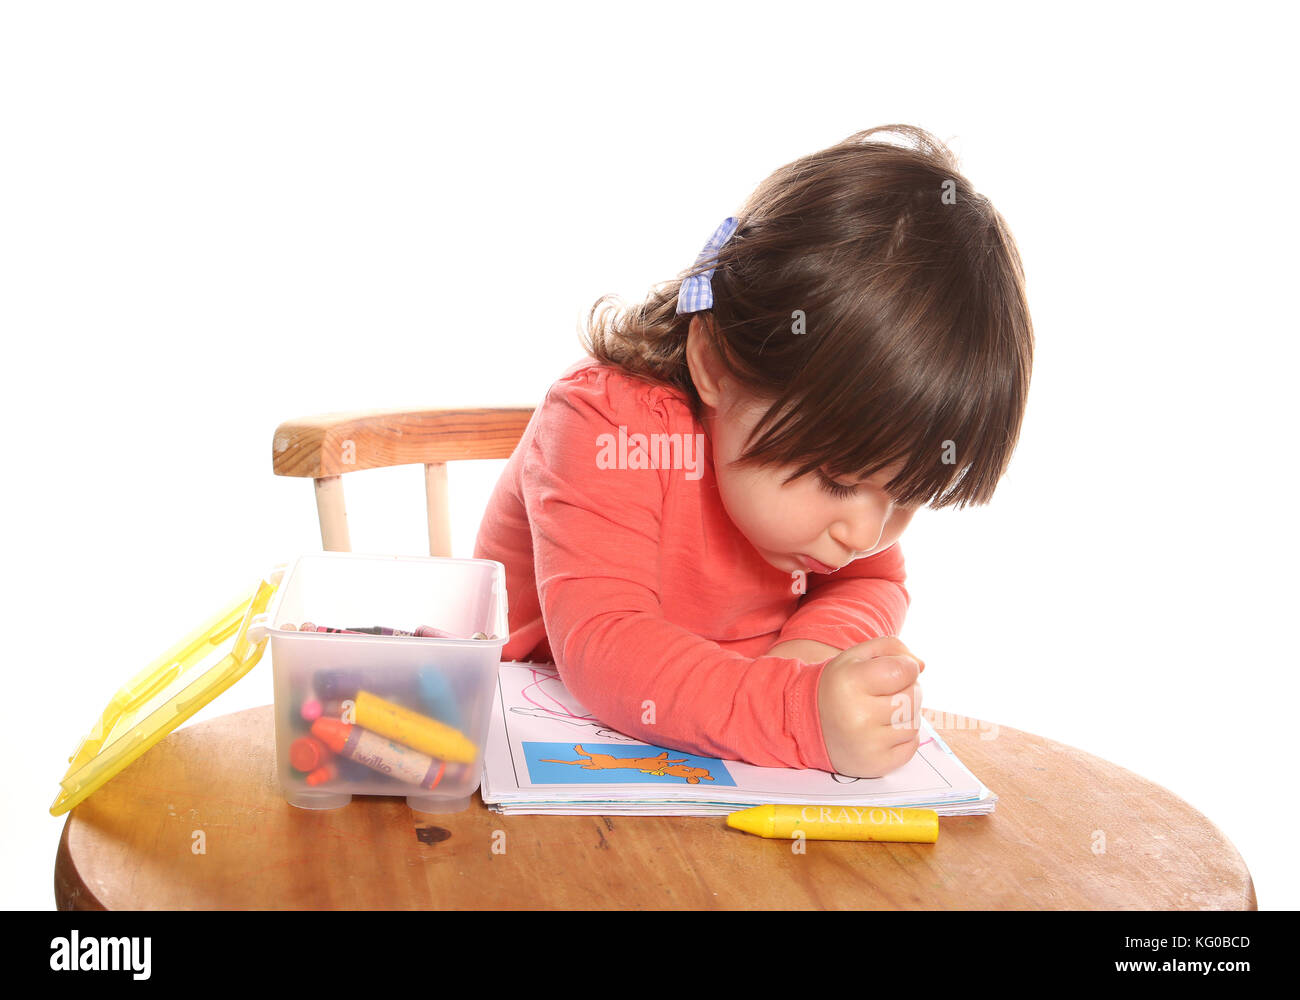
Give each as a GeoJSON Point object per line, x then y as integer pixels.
{"type": "Point", "coordinates": [843, 492]}
{"type": "Point", "coordinates": [835, 489]}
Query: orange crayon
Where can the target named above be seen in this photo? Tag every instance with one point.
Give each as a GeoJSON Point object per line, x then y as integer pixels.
{"type": "Point", "coordinates": [327, 772]}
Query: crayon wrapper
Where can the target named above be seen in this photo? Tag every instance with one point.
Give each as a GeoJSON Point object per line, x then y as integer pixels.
{"type": "Point", "coordinates": [888, 824]}
{"type": "Point", "coordinates": [391, 758]}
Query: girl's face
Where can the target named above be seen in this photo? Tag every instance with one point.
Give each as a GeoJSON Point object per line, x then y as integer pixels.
{"type": "Point", "coordinates": [800, 525]}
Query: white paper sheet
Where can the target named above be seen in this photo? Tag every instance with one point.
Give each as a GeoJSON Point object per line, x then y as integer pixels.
{"type": "Point", "coordinates": [548, 754]}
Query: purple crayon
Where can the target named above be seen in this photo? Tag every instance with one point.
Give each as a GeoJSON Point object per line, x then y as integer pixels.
{"type": "Point", "coordinates": [333, 685]}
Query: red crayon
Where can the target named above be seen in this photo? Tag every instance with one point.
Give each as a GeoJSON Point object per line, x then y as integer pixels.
{"type": "Point", "coordinates": [307, 753]}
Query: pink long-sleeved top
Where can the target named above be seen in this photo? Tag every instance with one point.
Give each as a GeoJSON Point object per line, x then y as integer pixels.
{"type": "Point", "coordinates": [654, 607]}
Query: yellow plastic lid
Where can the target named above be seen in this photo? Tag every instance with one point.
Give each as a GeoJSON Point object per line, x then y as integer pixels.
{"type": "Point", "coordinates": [163, 695]}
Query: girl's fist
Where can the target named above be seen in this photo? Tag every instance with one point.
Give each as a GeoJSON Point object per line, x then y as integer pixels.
{"type": "Point", "coordinates": [870, 707]}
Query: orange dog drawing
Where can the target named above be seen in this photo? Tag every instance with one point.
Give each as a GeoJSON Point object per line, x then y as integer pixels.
{"type": "Point", "coordinates": [658, 766]}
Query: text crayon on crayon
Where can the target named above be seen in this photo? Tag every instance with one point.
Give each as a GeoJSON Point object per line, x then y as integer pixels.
{"type": "Point", "coordinates": [881, 823]}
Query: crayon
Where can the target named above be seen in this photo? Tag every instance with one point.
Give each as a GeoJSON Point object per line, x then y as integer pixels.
{"type": "Point", "coordinates": [413, 729]}
{"type": "Point", "coordinates": [422, 632]}
{"type": "Point", "coordinates": [909, 826]}
{"type": "Point", "coordinates": [457, 772]}
{"type": "Point", "coordinates": [331, 685]}
{"type": "Point", "coordinates": [307, 753]}
{"type": "Point", "coordinates": [342, 770]}
{"type": "Point", "coordinates": [334, 708]}
{"type": "Point", "coordinates": [322, 774]}
{"type": "Point", "coordinates": [309, 627]}
{"type": "Point", "coordinates": [437, 696]}
{"type": "Point", "coordinates": [379, 754]}
{"type": "Point", "coordinates": [336, 685]}
{"type": "Point", "coordinates": [299, 700]}
{"type": "Point", "coordinates": [345, 770]}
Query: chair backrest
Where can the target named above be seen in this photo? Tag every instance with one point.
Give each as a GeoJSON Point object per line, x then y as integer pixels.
{"type": "Point", "coordinates": [326, 447]}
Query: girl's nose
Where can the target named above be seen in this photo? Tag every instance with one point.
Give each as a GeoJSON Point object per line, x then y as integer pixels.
{"type": "Point", "coordinates": [862, 534]}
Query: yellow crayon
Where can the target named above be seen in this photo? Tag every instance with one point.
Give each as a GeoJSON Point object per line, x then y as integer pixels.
{"type": "Point", "coordinates": [910, 826]}
{"type": "Point", "coordinates": [401, 725]}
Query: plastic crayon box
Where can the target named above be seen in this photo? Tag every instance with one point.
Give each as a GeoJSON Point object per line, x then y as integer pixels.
{"type": "Point", "coordinates": [426, 699]}
{"type": "Point", "coordinates": [421, 638]}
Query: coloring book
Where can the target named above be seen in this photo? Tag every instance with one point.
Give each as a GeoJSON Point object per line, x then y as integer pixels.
{"type": "Point", "coordinates": [547, 754]}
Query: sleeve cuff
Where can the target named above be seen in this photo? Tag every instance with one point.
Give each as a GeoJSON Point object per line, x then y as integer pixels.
{"type": "Point", "coordinates": [804, 717]}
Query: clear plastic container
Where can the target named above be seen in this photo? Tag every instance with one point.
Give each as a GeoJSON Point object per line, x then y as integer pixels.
{"type": "Point", "coordinates": [424, 702]}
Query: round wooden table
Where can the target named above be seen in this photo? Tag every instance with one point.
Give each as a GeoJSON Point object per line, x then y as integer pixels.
{"type": "Point", "coordinates": [198, 823]}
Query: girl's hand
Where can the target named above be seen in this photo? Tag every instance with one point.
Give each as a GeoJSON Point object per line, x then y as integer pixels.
{"type": "Point", "coordinates": [870, 707]}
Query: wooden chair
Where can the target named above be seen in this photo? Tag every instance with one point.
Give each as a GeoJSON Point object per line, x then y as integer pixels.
{"type": "Point", "coordinates": [1070, 831]}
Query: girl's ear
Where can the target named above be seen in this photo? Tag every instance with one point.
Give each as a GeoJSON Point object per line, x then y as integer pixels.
{"type": "Point", "coordinates": [705, 367]}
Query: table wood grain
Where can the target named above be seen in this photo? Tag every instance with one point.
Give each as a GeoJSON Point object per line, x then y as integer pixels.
{"type": "Point", "coordinates": [198, 823]}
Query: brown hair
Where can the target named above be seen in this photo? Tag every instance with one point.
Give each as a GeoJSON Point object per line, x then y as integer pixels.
{"type": "Point", "coordinates": [918, 343]}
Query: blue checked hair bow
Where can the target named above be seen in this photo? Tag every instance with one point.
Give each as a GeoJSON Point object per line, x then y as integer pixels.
{"type": "Point", "coordinates": [697, 291]}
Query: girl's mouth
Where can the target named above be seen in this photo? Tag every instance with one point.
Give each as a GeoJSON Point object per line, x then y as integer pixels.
{"type": "Point", "coordinates": [815, 566]}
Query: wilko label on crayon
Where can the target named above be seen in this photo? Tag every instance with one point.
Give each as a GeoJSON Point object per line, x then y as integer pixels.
{"type": "Point", "coordinates": [379, 754]}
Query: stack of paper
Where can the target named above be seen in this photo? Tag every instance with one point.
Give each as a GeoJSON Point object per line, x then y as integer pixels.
{"type": "Point", "coordinates": [547, 754]}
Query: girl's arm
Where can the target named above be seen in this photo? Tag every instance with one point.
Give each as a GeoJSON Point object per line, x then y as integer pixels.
{"type": "Point", "coordinates": [804, 649]}
{"type": "Point", "coordinates": [865, 600]}
{"type": "Point", "coordinates": [597, 538]}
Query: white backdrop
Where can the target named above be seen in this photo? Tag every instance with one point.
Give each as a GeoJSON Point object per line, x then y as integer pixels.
{"type": "Point", "coordinates": [217, 217]}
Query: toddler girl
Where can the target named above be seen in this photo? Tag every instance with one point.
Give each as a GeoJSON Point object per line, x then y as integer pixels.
{"type": "Point", "coordinates": [700, 524]}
